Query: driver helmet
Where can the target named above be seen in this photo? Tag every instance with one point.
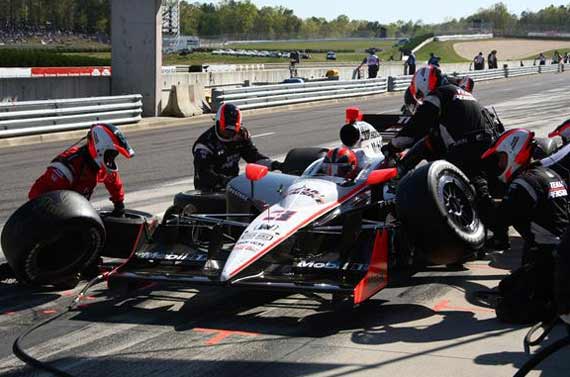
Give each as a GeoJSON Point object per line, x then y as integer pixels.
{"type": "Point", "coordinates": [340, 162]}
{"type": "Point", "coordinates": [512, 151]}
{"type": "Point", "coordinates": [425, 81]}
{"type": "Point", "coordinates": [563, 131]}
{"type": "Point", "coordinates": [104, 143]}
{"type": "Point", "coordinates": [228, 122]}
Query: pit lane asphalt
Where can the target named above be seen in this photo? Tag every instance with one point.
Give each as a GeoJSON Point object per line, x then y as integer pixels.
{"type": "Point", "coordinates": [432, 327]}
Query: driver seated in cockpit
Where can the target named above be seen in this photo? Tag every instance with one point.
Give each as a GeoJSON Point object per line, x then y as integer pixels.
{"type": "Point", "coordinates": [341, 162]}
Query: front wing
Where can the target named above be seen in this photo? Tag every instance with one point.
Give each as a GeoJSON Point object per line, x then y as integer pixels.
{"type": "Point", "coordinates": [191, 251]}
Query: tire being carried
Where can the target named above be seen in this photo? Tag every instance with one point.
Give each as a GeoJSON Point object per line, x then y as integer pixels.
{"type": "Point", "coordinates": [50, 239]}
{"type": "Point", "coordinates": [436, 204]}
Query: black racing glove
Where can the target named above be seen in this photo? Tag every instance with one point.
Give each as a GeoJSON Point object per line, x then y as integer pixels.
{"type": "Point", "coordinates": [389, 151]}
{"type": "Point", "coordinates": [276, 165]}
{"type": "Point", "coordinates": [119, 210]}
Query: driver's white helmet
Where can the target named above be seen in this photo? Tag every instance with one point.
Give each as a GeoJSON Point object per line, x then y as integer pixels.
{"type": "Point", "coordinates": [105, 142]}
{"type": "Point", "coordinates": [425, 81]}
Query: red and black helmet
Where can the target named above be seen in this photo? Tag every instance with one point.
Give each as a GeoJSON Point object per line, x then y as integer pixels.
{"type": "Point", "coordinates": [228, 121]}
{"type": "Point", "coordinates": [340, 162]}
{"type": "Point", "coordinates": [512, 151]}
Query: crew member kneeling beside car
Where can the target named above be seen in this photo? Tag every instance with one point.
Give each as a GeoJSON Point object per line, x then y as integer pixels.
{"type": "Point", "coordinates": [218, 150]}
{"type": "Point", "coordinates": [80, 168]}
{"type": "Point", "coordinates": [536, 204]}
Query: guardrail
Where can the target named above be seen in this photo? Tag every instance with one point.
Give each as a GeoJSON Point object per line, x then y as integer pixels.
{"type": "Point", "coordinates": [38, 117]}
{"type": "Point", "coordinates": [400, 83]}
{"type": "Point", "coordinates": [287, 94]}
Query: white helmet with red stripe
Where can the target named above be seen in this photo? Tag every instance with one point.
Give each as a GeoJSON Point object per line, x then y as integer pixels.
{"type": "Point", "coordinates": [105, 142]}
{"type": "Point", "coordinates": [512, 151]}
{"type": "Point", "coordinates": [563, 131]}
{"type": "Point", "coordinates": [425, 81]}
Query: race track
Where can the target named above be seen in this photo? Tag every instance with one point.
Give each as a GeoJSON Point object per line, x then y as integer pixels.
{"type": "Point", "coordinates": [432, 326]}
{"type": "Point", "coordinates": [510, 49]}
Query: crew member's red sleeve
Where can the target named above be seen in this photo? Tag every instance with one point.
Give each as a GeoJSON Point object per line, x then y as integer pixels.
{"type": "Point", "coordinates": [115, 187]}
{"type": "Point", "coordinates": [51, 180]}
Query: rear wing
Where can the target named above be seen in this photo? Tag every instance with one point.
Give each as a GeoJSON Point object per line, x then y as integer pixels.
{"type": "Point", "coordinates": [388, 125]}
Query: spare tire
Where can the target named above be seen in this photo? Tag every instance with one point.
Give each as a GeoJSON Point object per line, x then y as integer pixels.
{"type": "Point", "coordinates": [52, 238]}
{"type": "Point", "coordinates": [299, 159]}
{"type": "Point", "coordinates": [123, 232]}
{"type": "Point", "coordinates": [436, 203]}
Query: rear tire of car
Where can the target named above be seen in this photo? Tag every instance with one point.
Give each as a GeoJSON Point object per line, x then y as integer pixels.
{"type": "Point", "coordinates": [50, 239]}
{"type": "Point", "coordinates": [122, 232]}
{"type": "Point", "coordinates": [195, 201]}
{"type": "Point", "coordinates": [299, 159]}
{"type": "Point", "coordinates": [436, 203]}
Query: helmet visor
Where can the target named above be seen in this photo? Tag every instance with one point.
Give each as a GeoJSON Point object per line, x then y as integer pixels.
{"type": "Point", "coordinates": [109, 159]}
{"type": "Point", "coordinates": [343, 170]}
{"type": "Point", "coordinates": [503, 162]}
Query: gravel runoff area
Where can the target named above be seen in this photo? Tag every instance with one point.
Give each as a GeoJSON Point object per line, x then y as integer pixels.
{"type": "Point", "coordinates": [509, 49]}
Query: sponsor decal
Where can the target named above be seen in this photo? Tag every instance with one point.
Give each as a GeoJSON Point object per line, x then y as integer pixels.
{"type": "Point", "coordinates": [279, 215]}
{"type": "Point", "coordinates": [189, 257]}
{"type": "Point", "coordinates": [266, 226]}
{"type": "Point", "coordinates": [514, 142]}
{"type": "Point", "coordinates": [70, 71]}
{"type": "Point", "coordinates": [463, 95]}
{"type": "Point", "coordinates": [249, 235]}
{"type": "Point", "coordinates": [557, 190]}
{"type": "Point", "coordinates": [331, 265]}
{"type": "Point", "coordinates": [307, 191]}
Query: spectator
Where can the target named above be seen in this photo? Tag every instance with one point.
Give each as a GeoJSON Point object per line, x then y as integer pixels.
{"type": "Point", "coordinates": [566, 57]}
{"type": "Point", "coordinates": [433, 59]}
{"type": "Point", "coordinates": [479, 62]}
{"type": "Point", "coordinates": [373, 63]}
{"type": "Point", "coordinates": [556, 57]}
{"type": "Point", "coordinates": [410, 65]}
{"type": "Point", "coordinates": [541, 59]}
{"type": "Point", "coordinates": [492, 60]}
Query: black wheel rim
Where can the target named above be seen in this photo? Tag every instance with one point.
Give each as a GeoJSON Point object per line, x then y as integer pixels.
{"type": "Point", "coordinates": [456, 203]}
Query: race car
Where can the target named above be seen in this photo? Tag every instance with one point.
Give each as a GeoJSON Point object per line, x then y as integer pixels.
{"type": "Point", "coordinates": [315, 233]}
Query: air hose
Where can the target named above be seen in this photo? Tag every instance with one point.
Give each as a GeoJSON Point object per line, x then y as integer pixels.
{"type": "Point", "coordinates": [35, 363]}
{"type": "Point", "coordinates": [541, 355]}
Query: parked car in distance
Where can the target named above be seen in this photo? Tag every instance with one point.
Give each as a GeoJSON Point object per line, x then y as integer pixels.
{"type": "Point", "coordinates": [331, 55]}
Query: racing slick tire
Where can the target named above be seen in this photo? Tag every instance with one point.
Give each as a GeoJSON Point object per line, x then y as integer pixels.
{"type": "Point", "coordinates": [299, 159]}
{"type": "Point", "coordinates": [195, 201]}
{"type": "Point", "coordinates": [436, 205]}
{"type": "Point", "coordinates": [51, 238]}
{"type": "Point", "coordinates": [123, 233]}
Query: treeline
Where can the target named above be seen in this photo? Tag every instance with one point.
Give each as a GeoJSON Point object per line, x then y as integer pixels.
{"type": "Point", "coordinates": [231, 19]}
{"type": "Point", "coordinates": [242, 19]}
{"type": "Point", "coordinates": [79, 16]}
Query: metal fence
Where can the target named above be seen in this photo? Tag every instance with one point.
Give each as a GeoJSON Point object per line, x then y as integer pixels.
{"type": "Point", "coordinates": [38, 117]}
{"type": "Point", "coordinates": [286, 94]}
{"type": "Point", "coordinates": [400, 83]}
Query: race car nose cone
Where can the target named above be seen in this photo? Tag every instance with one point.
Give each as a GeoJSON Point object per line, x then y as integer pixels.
{"type": "Point", "coordinates": [225, 276]}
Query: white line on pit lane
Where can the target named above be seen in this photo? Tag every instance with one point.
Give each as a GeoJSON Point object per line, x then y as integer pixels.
{"type": "Point", "coordinates": [262, 135]}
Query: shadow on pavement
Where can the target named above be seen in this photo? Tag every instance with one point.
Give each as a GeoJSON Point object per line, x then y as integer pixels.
{"type": "Point", "coordinates": [16, 298]}
{"type": "Point", "coordinates": [554, 366]}
{"type": "Point", "coordinates": [151, 366]}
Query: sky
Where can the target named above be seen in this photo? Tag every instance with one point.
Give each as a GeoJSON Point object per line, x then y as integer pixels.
{"type": "Point", "coordinates": [434, 11]}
